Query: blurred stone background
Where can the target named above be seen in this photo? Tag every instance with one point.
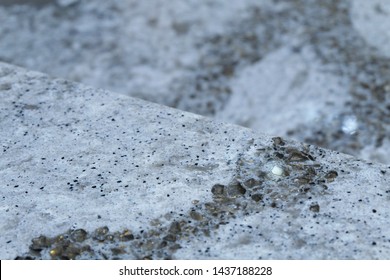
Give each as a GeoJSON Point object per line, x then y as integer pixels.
{"type": "Point", "coordinates": [315, 71]}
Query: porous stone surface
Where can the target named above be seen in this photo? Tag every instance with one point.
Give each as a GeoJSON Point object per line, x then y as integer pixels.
{"type": "Point", "coordinates": [314, 71]}
{"type": "Point", "coordinates": [90, 174]}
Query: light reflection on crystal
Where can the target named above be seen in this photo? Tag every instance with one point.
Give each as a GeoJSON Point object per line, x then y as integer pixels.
{"type": "Point", "coordinates": [349, 125]}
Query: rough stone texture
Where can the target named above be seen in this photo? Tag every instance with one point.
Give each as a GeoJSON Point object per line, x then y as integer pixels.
{"type": "Point", "coordinates": [315, 71]}
{"type": "Point", "coordinates": [89, 174]}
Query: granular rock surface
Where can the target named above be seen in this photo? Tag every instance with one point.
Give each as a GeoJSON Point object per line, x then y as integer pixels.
{"type": "Point", "coordinates": [90, 174]}
{"type": "Point", "coordinates": [314, 71]}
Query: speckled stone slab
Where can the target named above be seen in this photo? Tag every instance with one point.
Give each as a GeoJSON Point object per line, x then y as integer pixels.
{"type": "Point", "coordinates": [319, 72]}
{"type": "Point", "coordinates": [89, 174]}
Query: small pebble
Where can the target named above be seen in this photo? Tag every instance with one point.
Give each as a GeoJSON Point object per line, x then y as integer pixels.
{"type": "Point", "coordinates": [276, 170]}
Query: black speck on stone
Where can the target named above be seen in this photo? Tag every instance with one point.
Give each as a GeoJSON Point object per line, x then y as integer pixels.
{"type": "Point", "coordinates": [236, 189]}
{"type": "Point", "coordinates": [170, 237]}
{"type": "Point", "coordinates": [278, 141]}
{"type": "Point", "coordinates": [251, 183]}
{"type": "Point", "coordinates": [331, 175]}
{"type": "Point", "coordinates": [218, 189]}
{"type": "Point", "coordinates": [175, 228]}
{"type": "Point", "coordinates": [257, 197]}
{"type": "Point", "coordinates": [314, 208]}
{"type": "Point", "coordinates": [279, 155]}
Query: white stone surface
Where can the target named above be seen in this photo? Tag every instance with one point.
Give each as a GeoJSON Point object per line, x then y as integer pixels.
{"type": "Point", "coordinates": [295, 68]}
{"type": "Point", "coordinates": [186, 187]}
{"type": "Point", "coordinates": [71, 153]}
{"type": "Point", "coordinates": [372, 20]}
{"type": "Point", "coordinates": [284, 91]}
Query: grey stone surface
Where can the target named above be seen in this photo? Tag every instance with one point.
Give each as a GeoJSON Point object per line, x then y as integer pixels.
{"type": "Point", "coordinates": [314, 71]}
{"type": "Point", "coordinates": [90, 174]}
